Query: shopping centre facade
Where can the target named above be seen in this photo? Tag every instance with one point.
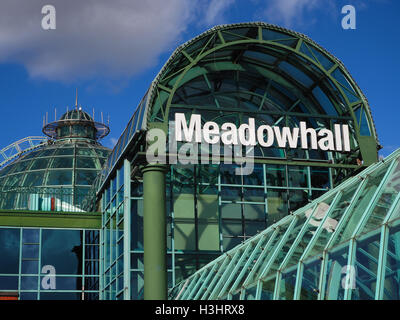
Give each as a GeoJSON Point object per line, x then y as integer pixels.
{"type": "Point", "coordinates": [149, 224]}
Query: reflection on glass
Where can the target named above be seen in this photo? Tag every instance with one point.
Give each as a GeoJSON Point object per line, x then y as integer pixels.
{"type": "Point", "coordinates": [63, 250]}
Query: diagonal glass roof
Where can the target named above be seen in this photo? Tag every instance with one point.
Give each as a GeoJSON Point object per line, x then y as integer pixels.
{"type": "Point", "coordinates": [343, 245]}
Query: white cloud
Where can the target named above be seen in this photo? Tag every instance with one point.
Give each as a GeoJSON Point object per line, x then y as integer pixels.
{"type": "Point", "coordinates": [215, 11]}
{"type": "Point", "coordinates": [93, 38]}
{"type": "Point", "coordinates": [289, 13]}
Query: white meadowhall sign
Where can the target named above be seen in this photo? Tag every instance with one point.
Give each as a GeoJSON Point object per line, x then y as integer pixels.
{"type": "Point", "coordinates": [233, 138]}
{"type": "Point", "coordinates": [247, 135]}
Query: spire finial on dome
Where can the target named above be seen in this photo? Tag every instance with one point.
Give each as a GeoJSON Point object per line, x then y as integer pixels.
{"type": "Point", "coordinates": [76, 99]}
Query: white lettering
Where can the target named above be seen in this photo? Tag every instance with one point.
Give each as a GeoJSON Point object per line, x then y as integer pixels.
{"type": "Point", "coordinates": [194, 124]}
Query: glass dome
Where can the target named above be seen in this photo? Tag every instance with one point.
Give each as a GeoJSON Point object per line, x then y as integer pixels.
{"type": "Point", "coordinates": [76, 124]}
{"type": "Point", "coordinates": [59, 175]}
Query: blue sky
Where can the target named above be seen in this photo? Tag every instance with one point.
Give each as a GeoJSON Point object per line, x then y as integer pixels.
{"type": "Point", "coordinates": [111, 51]}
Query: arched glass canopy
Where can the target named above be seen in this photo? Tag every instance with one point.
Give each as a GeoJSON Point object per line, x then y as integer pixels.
{"type": "Point", "coordinates": [277, 76]}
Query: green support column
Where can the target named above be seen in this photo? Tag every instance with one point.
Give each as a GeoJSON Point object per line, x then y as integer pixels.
{"type": "Point", "coordinates": [154, 232]}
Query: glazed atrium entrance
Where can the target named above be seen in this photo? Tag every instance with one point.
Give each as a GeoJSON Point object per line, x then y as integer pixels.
{"type": "Point", "coordinates": [229, 74]}
{"type": "Point", "coordinates": [157, 223]}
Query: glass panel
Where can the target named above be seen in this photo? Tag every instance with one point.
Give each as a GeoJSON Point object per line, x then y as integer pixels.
{"type": "Point", "coordinates": [67, 283]}
{"type": "Point", "coordinates": [86, 162]}
{"type": "Point", "coordinates": [34, 179]}
{"type": "Point", "coordinates": [63, 250]}
{"type": "Point", "coordinates": [297, 176]}
{"type": "Point", "coordinates": [286, 246]}
{"type": "Point", "coordinates": [387, 196]}
{"type": "Point", "coordinates": [310, 280]}
{"type": "Point", "coordinates": [39, 164]}
{"type": "Point", "coordinates": [21, 166]}
{"type": "Point", "coordinates": [28, 296]}
{"type": "Point", "coordinates": [268, 34]}
{"type": "Point", "coordinates": [296, 74]}
{"type": "Point", "coordinates": [320, 178]}
{"type": "Point", "coordinates": [59, 177]}
{"type": "Point", "coordinates": [30, 251]}
{"type": "Point", "coordinates": [62, 162]}
{"type": "Point", "coordinates": [47, 152]}
{"type": "Point", "coordinates": [60, 296]}
{"type": "Point", "coordinates": [62, 151]}
{"type": "Point", "coordinates": [392, 271]}
{"type": "Point", "coordinates": [267, 289]}
{"type": "Point", "coordinates": [287, 285]}
{"type": "Point", "coordinates": [250, 293]}
{"type": "Point", "coordinates": [85, 152]}
{"type": "Point", "coordinates": [259, 267]}
{"type": "Point", "coordinates": [360, 206]}
{"type": "Point", "coordinates": [29, 283]}
{"type": "Point", "coordinates": [241, 260]}
{"type": "Point", "coordinates": [336, 266]}
{"type": "Point", "coordinates": [309, 232]}
{"type": "Point", "coordinates": [324, 101]}
{"type": "Point", "coordinates": [30, 266]}
{"type": "Point", "coordinates": [363, 280]}
{"type": "Point", "coordinates": [137, 284]}
{"type": "Point", "coordinates": [276, 175]}
{"type": "Point", "coordinates": [9, 250]}
{"type": "Point", "coordinates": [85, 177]}
{"type": "Point", "coordinates": [297, 199]}
{"type": "Point", "coordinates": [8, 283]}
{"type": "Point", "coordinates": [277, 205]}
{"type": "Point", "coordinates": [322, 58]}
{"type": "Point", "coordinates": [137, 224]}
{"type": "Point", "coordinates": [30, 236]}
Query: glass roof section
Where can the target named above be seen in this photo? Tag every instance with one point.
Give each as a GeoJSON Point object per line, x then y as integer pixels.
{"type": "Point", "coordinates": [258, 68]}
{"type": "Point", "coordinates": [71, 167]}
{"type": "Point", "coordinates": [63, 169]}
{"type": "Point", "coordinates": [343, 245]}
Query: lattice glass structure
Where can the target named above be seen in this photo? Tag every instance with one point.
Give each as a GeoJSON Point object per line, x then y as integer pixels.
{"type": "Point", "coordinates": [56, 176]}
{"type": "Point", "coordinates": [73, 254]}
{"type": "Point", "coordinates": [343, 245]}
{"type": "Point", "coordinates": [229, 73]}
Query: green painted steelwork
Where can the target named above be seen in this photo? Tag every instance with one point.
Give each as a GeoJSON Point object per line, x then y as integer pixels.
{"type": "Point", "coordinates": [228, 74]}
{"type": "Point", "coordinates": [287, 73]}
{"type": "Point", "coordinates": [154, 232]}
{"type": "Point", "coordinates": [18, 218]}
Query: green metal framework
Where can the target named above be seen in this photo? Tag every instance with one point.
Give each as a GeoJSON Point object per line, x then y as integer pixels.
{"type": "Point", "coordinates": [228, 74]}
{"type": "Point", "coordinates": [278, 76]}
{"type": "Point", "coordinates": [343, 245]}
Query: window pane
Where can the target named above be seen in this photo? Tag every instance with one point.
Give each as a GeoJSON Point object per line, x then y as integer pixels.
{"type": "Point", "coordinates": [64, 162]}
{"type": "Point", "coordinates": [86, 162]}
{"type": "Point", "coordinates": [63, 250]}
{"type": "Point", "coordinates": [8, 283]}
{"type": "Point", "coordinates": [320, 177]}
{"type": "Point", "coordinates": [297, 176]}
{"type": "Point", "coordinates": [9, 250]}
{"type": "Point", "coordinates": [85, 177]}
{"type": "Point", "coordinates": [34, 179]}
{"type": "Point", "coordinates": [39, 164]}
{"type": "Point", "coordinates": [59, 177]}
{"type": "Point", "coordinates": [276, 175]}
{"type": "Point", "coordinates": [64, 151]}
